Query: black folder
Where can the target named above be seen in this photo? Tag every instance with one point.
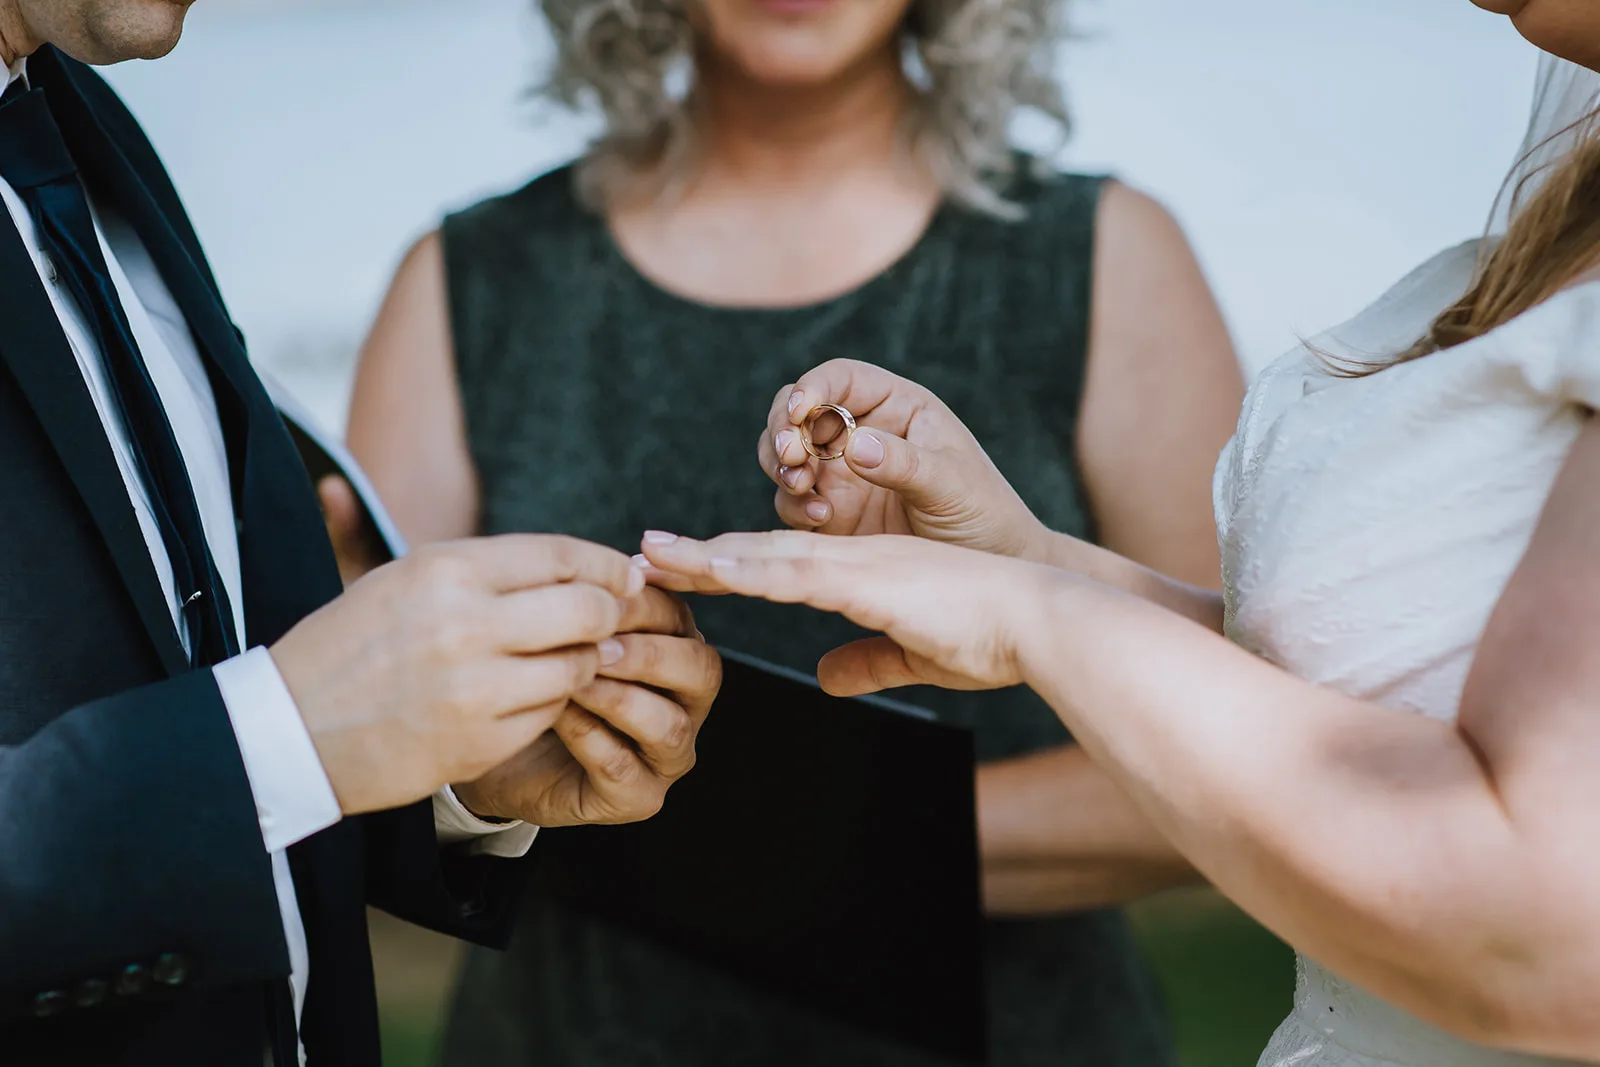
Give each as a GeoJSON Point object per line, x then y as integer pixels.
{"type": "Point", "coordinates": [822, 849]}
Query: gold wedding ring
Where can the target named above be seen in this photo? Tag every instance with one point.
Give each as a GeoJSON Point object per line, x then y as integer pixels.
{"type": "Point", "coordinates": [805, 431]}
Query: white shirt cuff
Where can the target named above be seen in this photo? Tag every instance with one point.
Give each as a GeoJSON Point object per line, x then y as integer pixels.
{"type": "Point", "coordinates": [453, 824]}
{"type": "Point", "coordinates": [294, 798]}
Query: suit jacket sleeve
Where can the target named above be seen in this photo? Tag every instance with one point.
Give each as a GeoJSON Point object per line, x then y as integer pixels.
{"type": "Point", "coordinates": [128, 837]}
{"type": "Point", "coordinates": [446, 889]}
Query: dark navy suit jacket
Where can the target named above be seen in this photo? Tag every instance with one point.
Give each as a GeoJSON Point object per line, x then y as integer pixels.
{"type": "Point", "coordinates": [138, 919]}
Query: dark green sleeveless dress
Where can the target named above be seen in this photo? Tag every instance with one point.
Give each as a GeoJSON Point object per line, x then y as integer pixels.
{"type": "Point", "coordinates": [576, 374]}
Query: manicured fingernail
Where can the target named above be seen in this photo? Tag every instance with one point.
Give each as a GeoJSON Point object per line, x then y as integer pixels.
{"type": "Point", "coordinates": [640, 562]}
{"type": "Point", "coordinates": [611, 651]}
{"type": "Point", "coordinates": [782, 442]}
{"type": "Point", "coordinates": [817, 510]}
{"type": "Point", "coordinates": [790, 476]}
{"type": "Point", "coordinates": [659, 537]}
{"type": "Point", "coordinates": [796, 398]}
{"type": "Point", "coordinates": [866, 450]}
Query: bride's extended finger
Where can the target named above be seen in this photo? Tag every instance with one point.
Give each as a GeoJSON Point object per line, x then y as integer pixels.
{"type": "Point", "coordinates": [782, 566]}
{"type": "Point", "coordinates": [802, 512]}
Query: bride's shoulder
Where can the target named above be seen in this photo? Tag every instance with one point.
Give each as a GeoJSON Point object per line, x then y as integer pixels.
{"type": "Point", "coordinates": [1553, 349]}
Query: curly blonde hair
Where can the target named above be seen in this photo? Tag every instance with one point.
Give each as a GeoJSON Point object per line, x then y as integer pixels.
{"type": "Point", "coordinates": [981, 63]}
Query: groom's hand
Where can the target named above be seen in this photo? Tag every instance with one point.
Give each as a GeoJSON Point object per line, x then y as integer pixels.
{"type": "Point", "coordinates": [624, 739]}
{"type": "Point", "coordinates": [440, 666]}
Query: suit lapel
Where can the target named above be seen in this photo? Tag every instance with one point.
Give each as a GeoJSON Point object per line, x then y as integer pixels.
{"type": "Point", "coordinates": [287, 562]}
{"type": "Point", "coordinates": [35, 349]}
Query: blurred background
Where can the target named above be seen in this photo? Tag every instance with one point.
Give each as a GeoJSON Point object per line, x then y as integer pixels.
{"type": "Point", "coordinates": [1314, 149]}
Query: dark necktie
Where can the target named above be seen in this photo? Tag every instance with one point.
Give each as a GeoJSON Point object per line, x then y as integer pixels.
{"type": "Point", "coordinates": [35, 161]}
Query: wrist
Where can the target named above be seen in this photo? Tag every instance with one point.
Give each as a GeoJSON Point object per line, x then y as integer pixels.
{"type": "Point", "coordinates": [1039, 543]}
{"type": "Point", "coordinates": [479, 804]}
{"type": "Point", "coordinates": [1036, 628]}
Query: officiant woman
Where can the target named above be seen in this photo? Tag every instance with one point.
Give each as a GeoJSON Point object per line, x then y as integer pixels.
{"type": "Point", "coordinates": [779, 182]}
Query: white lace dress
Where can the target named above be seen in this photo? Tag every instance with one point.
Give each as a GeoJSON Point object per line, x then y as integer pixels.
{"type": "Point", "coordinates": [1368, 527]}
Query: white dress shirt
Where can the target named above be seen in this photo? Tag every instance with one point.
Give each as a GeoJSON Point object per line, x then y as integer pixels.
{"type": "Point", "coordinates": [293, 797]}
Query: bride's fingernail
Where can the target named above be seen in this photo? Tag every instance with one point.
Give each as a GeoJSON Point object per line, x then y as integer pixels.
{"type": "Point", "coordinates": [611, 651]}
{"type": "Point", "coordinates": [796, 398]}
{"type": "Point", "coordinates": [659, 537]}
{"type": "Point", "coordinates": [817, 511]}
{"type": "Point", "coordinates": [640, 562]}
{"type": "Point", "coordinates": [866, 450]}
{"type": "Point", "coordinates": [782, 442]}
{"type": "Point", "coordinates": [790, 476]}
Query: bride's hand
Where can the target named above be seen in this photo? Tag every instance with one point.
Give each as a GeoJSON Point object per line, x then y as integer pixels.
{"type": "Point", "coordinates": [912, 467]}
{"type": "Point", "coordinates": [952, 617]}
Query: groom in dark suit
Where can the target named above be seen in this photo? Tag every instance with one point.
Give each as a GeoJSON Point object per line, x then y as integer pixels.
{"type": "Point", "coordinates": [212, 759]}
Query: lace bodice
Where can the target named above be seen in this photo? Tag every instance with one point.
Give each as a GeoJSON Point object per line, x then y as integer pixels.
{"type": "Point", "coordinates": [1368, 526]}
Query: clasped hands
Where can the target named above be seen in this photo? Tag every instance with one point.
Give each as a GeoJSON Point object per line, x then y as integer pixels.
{"type": "Point", "coordinates": [537, 675]}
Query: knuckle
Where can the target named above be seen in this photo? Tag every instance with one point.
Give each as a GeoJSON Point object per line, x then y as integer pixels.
{"type": "Point", "coordinates": [562, 552]}
{"type": "Point", "coordinates": [441, 569]}
{"type": "Point", "coordinates": [620, 766]}
{"type": "Point", "coordinates": [581, 670]}
{"type": "Point", "coordinates": [648, 658]}
{"type": "Point", "coordinates": [454, 636]}
{"type": "Point", "coordinates": [679, 736]}
{"type": "Point", "coordinates": [594, 613]}
{"type": "Point", "coordinates": [685, 624]}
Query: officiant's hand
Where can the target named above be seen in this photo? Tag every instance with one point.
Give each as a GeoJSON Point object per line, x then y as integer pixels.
{"type": "Point", "coordinates": [951, 617]}
{"type": "Point", "coordinates": [624, 739]}
{"type": "Point", "coordinates": [912, 467]}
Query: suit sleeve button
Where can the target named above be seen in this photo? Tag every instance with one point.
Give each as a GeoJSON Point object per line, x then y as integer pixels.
{"type": "Point", "coordinates": [91, 992]}
{"type": "Point", "coordinates": [171, 969]}
{"type": "Point", "coordinates": [132, 981]}
{"type": "Point", "coordinates": [50, 1003]}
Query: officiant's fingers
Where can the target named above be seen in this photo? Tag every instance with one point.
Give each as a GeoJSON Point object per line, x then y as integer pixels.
{"type": "Point", "coordinates": [661, 732]}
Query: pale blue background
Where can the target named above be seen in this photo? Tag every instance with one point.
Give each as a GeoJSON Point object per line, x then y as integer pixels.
{"type": "Point", "coordinates": [1314, 149]}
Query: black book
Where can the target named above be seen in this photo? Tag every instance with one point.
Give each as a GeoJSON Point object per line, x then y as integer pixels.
{"type": "Point", "coordinates": [822, 849]}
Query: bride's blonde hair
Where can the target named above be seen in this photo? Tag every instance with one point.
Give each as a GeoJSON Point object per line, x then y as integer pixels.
{"type": "Point", "coordinates": [1552, 240]}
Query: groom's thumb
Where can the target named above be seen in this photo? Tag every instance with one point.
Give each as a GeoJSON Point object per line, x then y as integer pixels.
{"type": "Point", "coordinates": [893, 463]}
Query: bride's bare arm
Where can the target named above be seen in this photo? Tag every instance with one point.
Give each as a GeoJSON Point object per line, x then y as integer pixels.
{"type": "Point", "coordinates": [1448, 868]}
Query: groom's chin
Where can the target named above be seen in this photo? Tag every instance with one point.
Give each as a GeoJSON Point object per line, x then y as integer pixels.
{"type": "Point", "coordinates": [101, 32]}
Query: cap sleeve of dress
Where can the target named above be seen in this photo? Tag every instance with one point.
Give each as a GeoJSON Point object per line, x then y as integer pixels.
{"type": "Point", "coordinates": [1554, 350]}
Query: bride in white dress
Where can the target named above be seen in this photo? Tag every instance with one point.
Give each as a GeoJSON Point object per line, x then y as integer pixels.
{"type": "Point", "coordinates": [1394, 761]}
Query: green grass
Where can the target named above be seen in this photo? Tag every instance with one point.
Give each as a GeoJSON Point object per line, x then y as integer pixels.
{"type": "Point", "coordinates": [1227, 981]}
